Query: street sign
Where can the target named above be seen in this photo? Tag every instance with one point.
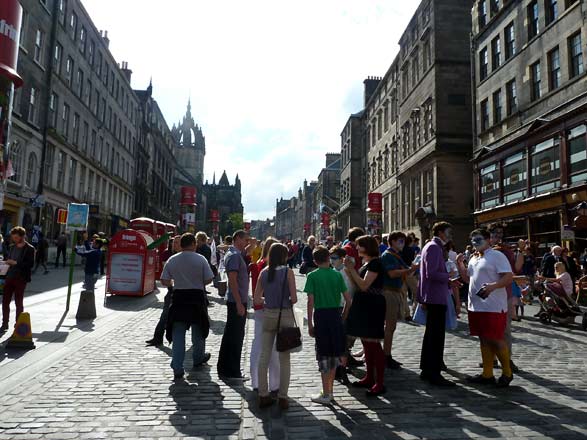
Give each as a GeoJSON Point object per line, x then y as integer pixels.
{"type": "Point", "coordinates": [567, 234]}
{"type": "Point", "coordinates": [62, 216]}
{"type": "Point", "coordinates": [77, 216]}
{"type": "Point", "coordinates": [38, 201]}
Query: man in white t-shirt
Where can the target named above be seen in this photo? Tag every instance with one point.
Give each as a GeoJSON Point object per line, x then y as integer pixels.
{"type": "Point", "coordinates": [488, 274]}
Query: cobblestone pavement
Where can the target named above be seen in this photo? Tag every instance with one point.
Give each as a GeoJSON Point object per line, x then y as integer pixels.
{"type": "Point", "coordinates": [111, 386]}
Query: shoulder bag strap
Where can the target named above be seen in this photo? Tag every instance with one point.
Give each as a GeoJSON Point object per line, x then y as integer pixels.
{"type": "Point", "coordinates": [285, 288]}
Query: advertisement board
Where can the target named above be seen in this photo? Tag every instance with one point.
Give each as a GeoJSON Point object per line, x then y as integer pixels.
{"type": "Point", "coordinates": [77, 216]}
{"type": "Point", "coordinates": [126, 273]}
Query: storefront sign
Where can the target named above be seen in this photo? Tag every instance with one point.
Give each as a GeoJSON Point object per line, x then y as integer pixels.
{"type": "Point", "coordinates": [567, 234]}
{"type": "Point", "coordinates": [214, 215]}
{"type": "Point", "coordinates": [126, 271]}
{"type": "Point", "coordinates": [77, 217]}
{"type": "Point", "coordinates": [94, 210]}
{"type": "Point", "coordinates": [188, 196]}
{"type": "Point", "coordinates": [10, 22]}
{"type": "Point", "coordinates": [375, 202]}
{"type": "Point", "coordinates": [62, 216]}
{"type": "Point", "coordinates": [307, 227]}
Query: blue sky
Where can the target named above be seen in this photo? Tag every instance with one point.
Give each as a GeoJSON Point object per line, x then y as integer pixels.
{"type": "Point", "coordinates": [271, 82]}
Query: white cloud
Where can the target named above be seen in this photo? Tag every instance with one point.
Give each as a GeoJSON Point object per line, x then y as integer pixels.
{"type": "Point", "coordinates": [271, 83]}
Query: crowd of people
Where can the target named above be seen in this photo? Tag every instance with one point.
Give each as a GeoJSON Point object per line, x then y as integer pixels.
{"type": "Point", "coordinates": [358, 290]}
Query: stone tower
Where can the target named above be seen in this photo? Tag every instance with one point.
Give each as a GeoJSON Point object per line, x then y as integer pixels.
{"type": "Point", "coordinates": [191, 146]}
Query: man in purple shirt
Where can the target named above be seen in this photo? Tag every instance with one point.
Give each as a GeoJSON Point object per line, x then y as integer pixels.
{"type": "Point", "coordinates": [433, 294]}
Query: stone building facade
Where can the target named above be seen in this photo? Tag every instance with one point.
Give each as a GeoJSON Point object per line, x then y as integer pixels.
{"type": "Point", "coordinates": [74, 126]}
{"type": "Point", "coordinates": [326, 197]}
{"type": "Point", "coordinates": [530, 85]}
{"type": "Point", "coordinates": [417, 124]}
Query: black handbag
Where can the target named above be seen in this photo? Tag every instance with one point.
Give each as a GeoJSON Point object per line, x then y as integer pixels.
{"type": "Point", "coordinates": [303, 268]}
{"type": "Point", "coordinates": [288, 338]}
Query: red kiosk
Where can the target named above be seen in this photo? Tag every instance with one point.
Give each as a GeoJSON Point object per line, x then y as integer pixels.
{"type": "Point", "coordinates": [131, 265]}
{"type": "Point", "coordinates": [171, 229]}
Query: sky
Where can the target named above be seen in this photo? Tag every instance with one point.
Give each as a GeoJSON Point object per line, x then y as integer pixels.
{"type": "Point", "coordinates": [272, 83]}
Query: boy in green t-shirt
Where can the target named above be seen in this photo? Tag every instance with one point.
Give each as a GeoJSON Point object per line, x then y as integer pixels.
{"type": "Point", "coordinates": [325, 288]}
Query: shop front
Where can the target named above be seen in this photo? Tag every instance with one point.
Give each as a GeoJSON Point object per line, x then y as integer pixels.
{"type": "Point", "coordinates": [11, 215]}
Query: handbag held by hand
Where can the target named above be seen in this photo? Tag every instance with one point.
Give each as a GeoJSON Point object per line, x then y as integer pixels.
{"type": "Point", "coordinates": [288, 338]}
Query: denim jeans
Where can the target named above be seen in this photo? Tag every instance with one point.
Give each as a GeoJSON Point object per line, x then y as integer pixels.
{"type": "Point", "coordinates": [229, 357]}
{"type": "Point", "coordinates": [178, 346]}
{"type": "Point", "coordinates": [162, 324]}
{"type": "Point", "coordinates": [90, 282]}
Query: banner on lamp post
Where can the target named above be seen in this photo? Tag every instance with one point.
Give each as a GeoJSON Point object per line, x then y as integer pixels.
{"type": "Point", "coordinates": [187, 196]}
{"type": "Point", "coordinates": [375, 202]}
{"type": "Point", "coordinates": [10, 24]}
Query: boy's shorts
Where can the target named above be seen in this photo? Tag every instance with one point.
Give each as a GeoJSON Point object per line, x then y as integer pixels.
{"type": "Point", "coordinates": [327, 363]}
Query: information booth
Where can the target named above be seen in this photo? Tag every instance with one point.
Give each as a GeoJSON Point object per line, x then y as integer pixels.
{"type": "Point", "coordinates": [144, 224]}
{"type": "Point", "coordinates": [131, 265]}
{"type": "Point", "coordinates": [171, 229]}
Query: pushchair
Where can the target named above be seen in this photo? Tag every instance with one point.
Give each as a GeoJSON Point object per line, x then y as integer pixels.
{"type": "Point", "coordinates": [556, 305]}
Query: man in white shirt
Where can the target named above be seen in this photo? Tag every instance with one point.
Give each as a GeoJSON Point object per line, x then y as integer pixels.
{"type": "Point", "coordinates": [488, 274]}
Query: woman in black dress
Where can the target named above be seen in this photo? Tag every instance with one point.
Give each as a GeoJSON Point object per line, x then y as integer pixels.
{"type": "Point", "coordinates": [366, 318]}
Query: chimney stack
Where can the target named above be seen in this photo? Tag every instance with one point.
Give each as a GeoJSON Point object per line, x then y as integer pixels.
{"type": "Point", "coordinates": [126, 71]}
{"type": "Point", "coordinates": [371, 84]}
{"type": "Point", "coordinates": [106, 39]}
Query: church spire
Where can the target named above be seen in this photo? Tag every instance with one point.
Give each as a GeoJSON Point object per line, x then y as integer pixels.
{"type": "Point", "coordinates": [214, 178]}
{"type": "Point", "coordinates": [189, 112]}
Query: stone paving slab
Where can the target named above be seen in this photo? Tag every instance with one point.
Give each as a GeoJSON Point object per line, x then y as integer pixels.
{"type": "Point", "coordinates": [114, 387]}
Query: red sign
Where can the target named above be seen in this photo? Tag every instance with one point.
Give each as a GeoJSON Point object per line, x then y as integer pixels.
{"type": "Point", "coordinates": [248, 226]}
{"type": "Point", "coordinates": [375, 203]}
{"type": "Point", "coordinates": [325, 219]}
{"type": "Point", "coordinates": [62, 216]}
{"type": "Point", "coordinates": [307, 227]}
{"type": "Point", "coordinates": [214, 216]}
{"type": "Point", "coordinates": [10, 22]}
{"type": "Point", "coordinates": [188, 196]}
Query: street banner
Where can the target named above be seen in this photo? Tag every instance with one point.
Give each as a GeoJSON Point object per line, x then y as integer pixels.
{"type": "Point", "coordinates": [10, 23]}
{"type": "Point", "coordinates": [62, 216]}
{"type": "Point", "coordinates": [325, 219]}
{"type": "Point", "coordinates": [375, 202]}
{"type": "Point", "coordinates": [188, 196]}
{"type": "Point", "coordinates": [77, 216]}
{"type": "Point", "coordinates": [214, 215]}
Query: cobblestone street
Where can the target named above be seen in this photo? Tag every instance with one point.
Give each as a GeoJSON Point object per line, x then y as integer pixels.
{"type": "Point", "coordinates": [111, 386]}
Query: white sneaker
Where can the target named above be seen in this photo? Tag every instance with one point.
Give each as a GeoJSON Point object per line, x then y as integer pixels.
{"type": "Point", "coordinates": [322, 399]}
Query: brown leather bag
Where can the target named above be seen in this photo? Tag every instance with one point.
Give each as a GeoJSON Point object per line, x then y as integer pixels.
{"type": "Point", "coordinates": [288, 338]}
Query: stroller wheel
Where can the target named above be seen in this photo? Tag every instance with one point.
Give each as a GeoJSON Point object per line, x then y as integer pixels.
{"type": "Point", "coordinates": [544, 317]}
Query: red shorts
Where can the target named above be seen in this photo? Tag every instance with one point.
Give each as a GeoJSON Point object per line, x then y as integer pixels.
{"type": "Point", "coordinates": [488, 325]}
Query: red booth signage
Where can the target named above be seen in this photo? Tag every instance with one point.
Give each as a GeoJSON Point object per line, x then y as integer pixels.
{"type": "Point", "coordinates": [325, 219]}
{"type": "Point", "coordinates": [307, 227]}
{"type": "Point", "coordinates": [131, 265]}
{"type": "Point", "coordinates": [214, 215]}
{"type": "Point", "coordinates": [188, 196]}
{"type": "Point", "coordinates": [10, 22]}
{"type": "Point", "coordinates": [375, 202]}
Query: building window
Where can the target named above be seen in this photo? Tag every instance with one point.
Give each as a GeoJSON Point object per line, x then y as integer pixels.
{"type": "Point", "coordinates": [494, 7]}
{"type": "Point", "coordinates": [482, 13]}
{"type": "Point", "coordinates": [72, 177]}
{"type": "Point", "coordinates": [91, 52]}
{"type": "Point", "coordinates": [39, 43]}
{"type": "Point", "coordinates": [416, 201]}
{"type": "Point", "coordinates": [426, 54]}
{"type": "Point", "coordinates": [576, 55]}
{"type": "Point", "coordinates": [578, 154]}
{"type": "Point", "coordinates": [31, 177]}
{"type": "Point", "coordinates": [510, 41]}
{"type": "Point", "coordinates": [489, 182]}
{"type": "Point", "coordinates": [73, 26]}
{"type": "Point", "coordinates": [23, 29]}
{"type": "Point", "coordinates": [83, 195]}
{"type": "Point", "coordinates": [483, 62]}
{"type": "Point", "coordinates": [62, 11]}
{"type": "Point", "coordinates": [82, 40]}
{"type": "Point", "coordinates": [533, 19]}
{"type": "Point", "coordinates": [65, 121]}
{"type": "Point", "coordinates": [484, 115]}
{"type": "Point", "coordinates": [76, 127]}
{"type": "Point", "coordinates": [57, 56]}
{"type": "Point", "coordinates": [405, 79]}
{"type": "Point", "coordinates": [53, 110]}
{"type": "Point", "coordinates": [16, 159]}
{"type": "Point", "coordinates": [535, 80]}
{"type": "Point", "coordinates": [551, 10]}
{"type": "Point", "coordinates": [428, 187]}
{"type": "Point", "coordinates": [33, 105]}
{"type": "Point", "coordinates": [79, 83]}
{"type": "Point", "coordinates": [69, 71]}
{"type": "Point", "coordinates": [545, 159]}
{"type": "Point", "coordinates": [554, 69]}
{"type": "Point", "coordinates": [514, 177]}
{"type": "Point", "coordinates": [61, 157]}
{"type": "Point", "coordinates": [496, 53]}
{"type": "Point", "coordinates": [49, 159]}
{"type": "Point", "coordinates": [415, 68]}
{"type": "Point", "coordinates": [385, 118]}
{"type": "Point", "coordinates": [497, 107]}
{"type": "Point", "coordinates": [512, 97]}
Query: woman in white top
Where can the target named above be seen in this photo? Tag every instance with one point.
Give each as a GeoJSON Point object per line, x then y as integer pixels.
{"type": "Point", "coordinates": [563, 278]}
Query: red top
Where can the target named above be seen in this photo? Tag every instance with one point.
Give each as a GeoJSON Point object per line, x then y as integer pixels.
{"type": "Point", "coordinates": [255, 270]}
{"type": "Point", "coordinates": [351, 251]}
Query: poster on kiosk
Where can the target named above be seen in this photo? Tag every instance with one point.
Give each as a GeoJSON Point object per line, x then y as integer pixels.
{"type": "Point", "coordinates": [131, 264]}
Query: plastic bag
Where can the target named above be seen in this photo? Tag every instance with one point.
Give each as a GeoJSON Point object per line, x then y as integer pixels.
{"type": "Point", "coordinates": [451, 315]}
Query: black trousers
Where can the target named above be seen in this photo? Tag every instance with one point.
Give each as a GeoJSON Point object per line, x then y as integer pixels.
{"type": "Point", "coordinates": [162, 324]}
{"type": "Point", "coordinates": [433, 343]}
{"type": "Point", "coordinates": [61, 251]}
{"type": "Point", "coordinates": [229, 358]}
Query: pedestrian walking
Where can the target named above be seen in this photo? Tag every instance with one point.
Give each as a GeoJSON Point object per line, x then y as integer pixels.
{"type": "Point", "coordinates": [432, 295]}
{"type": "Point", "coordinates": [326, 288]}
{"type": "Point", "coordinates": [367, 315]}
{"type": "Point", "coordinates": [549, 260]}
{"type": "Point", "coordinates": [41, 255]}
{"type": "Point", "coordinates": [308, 264]}
{"type": "Point", "coordinates": [21, 259]}
{"type": "Point", "coordinates": [276, 292]}
{"type": "Point", "coordinates": [159, 333]}
{"type": "Point", "coordinates": [61, 249]}
{"type": "Point", "coordinates": [188, 273]}
{"type": "Point", "coordinates": [396, 273]}
{"type": "Point", "coordinates": [104, 249]}
{"type": "Point", "coordinates": [92, 263]}
{"type": "Point", "coordinates": [488, 274]}
{"type": "Point", "coordinates": [257, 345]}
{"type": "Point", "coordinates": [231, 347]}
